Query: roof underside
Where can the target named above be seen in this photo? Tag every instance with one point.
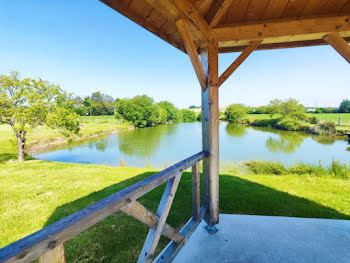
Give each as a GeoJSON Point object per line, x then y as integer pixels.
{"type": "Point", "coordinates": [261, 18]}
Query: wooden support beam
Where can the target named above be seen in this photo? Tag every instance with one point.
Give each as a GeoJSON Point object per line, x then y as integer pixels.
{"type": "Point", "coordinates": [55, 255]}
{"type": "Point", "coordinates": [192, 52]}
{"type": "Point", "coordinates": [142, 214]}
{"type": "Point", "coordinates": [153, 236]}
{"type": "Point", "coordinates": [210, 133]}
{"type": "Point", "coordinates": [196, 198]}
{"type": "Point", "coordinates": [339, 44]}
{"type": "Point", "coordinates": [282, 28]}
{"type": "Point", "coordinates": [217, 11]}
{"type": "Point", "coordinates": [243, 56]}
{"type": "Point", "coordinates": [192, 13]}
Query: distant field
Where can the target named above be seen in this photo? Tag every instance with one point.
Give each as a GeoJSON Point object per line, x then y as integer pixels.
{"type": "Point", "coordinates": [98, 119]}
{"type": "Point", "coordinates": [334, 117]}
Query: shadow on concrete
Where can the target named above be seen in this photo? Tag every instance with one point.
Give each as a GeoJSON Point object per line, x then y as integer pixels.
{"type": "Point", "coordinates": [119, 238]}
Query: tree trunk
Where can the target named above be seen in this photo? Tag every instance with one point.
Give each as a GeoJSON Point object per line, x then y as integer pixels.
{"type": "Point", "coordinates": [20, 141]}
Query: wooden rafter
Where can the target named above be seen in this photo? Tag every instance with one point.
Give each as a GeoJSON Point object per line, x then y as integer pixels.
{"type": "Point", "coordinates": [153, 236]}
{"type": "Point", "coordinates": [192, 52]}
{"type": "Point", "coordinates": [306, 28]}
{"type": "Point", "coordinates": [217, 11]}
{"type": "Point", "coordinates": [339, 44]}
{"type": "Point", "coordinates": [192, 14]}
{"type": "Point", "coordinates": [142, 214]}
{"type": "Point", "coordinates": [243, 56]}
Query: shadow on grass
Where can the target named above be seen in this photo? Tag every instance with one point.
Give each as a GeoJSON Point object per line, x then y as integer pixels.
{"type": "Point", "coordinates": [119, 238]}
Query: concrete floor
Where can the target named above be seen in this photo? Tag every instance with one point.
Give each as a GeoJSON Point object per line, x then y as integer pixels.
{"type": "Point", "coordinates": [244, 238]}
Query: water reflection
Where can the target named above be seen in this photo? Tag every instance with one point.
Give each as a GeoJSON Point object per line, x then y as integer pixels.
{"type": "Point", "coordinates": [236, 130]}
{"type": "Point", "coordinates": [143, 142]}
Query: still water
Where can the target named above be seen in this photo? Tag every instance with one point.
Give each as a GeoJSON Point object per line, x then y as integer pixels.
{"type": "Point", "coordinates": [167, 144]}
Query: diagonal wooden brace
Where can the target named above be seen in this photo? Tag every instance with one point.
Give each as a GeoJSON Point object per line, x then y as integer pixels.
{"type": "Point", "coordinates": [142, 214]}
{"type": "Point", "coordinates": [191, 50]}
{"type": "Point", "coordinates": [243, 56]}
{"type": "Point", "coordinates": [153, 236]}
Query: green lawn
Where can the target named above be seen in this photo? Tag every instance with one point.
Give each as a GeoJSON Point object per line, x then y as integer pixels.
{"type": "Point", "coordinates": [37, 193]}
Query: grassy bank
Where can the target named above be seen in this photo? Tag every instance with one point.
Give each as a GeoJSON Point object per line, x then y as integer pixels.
{"type": "Point", "coordinates": [265, 120]}
{"type": "Point", "coordinates": [43, 138]}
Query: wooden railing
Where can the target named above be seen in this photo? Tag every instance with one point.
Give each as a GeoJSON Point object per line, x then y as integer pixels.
{"type": "Point", "coordinates": [47, 245]}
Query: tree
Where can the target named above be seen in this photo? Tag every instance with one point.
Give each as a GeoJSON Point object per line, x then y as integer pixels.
{"type": "Point", "coordinates": [188, 115]}
{"type": "Point", "coordinates": [235, 112]}
{"type": "Point", "coordinates": [139, 110]}
{"type": "Point", "coordinates": [344, 106]}
{"type": "Point", "coordinates": [289, 108]}
{"type": "Point", "coordinates": [28, 103]}
{"type": "Point", "coordinates": [172, 112]}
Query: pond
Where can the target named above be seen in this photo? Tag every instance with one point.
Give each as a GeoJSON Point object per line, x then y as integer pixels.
{"type": "Point", "coordinates": [164, 145]}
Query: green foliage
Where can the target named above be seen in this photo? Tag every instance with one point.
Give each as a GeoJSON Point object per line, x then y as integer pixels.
{"type": "Point", "coordinates": [235, 113]}
{"type": "Point", "coordinates": [344, 106]}
{"type": "Point", "coordinates": [199, 117]}
{"type": "Point", "coordinates": [289, 125]}
{"type": "Point", "coordinates": [263, 167]}
{"type": "Point", "coordinates": [95, 105]}
{"type": "Point", "coordinates": [313, 120]}
{"type": "Point", "coordinates": [289, 108]}
{"type": "Point", "coordinates": [261, 110]}
{"type": "Point", "coordinates": [188, 115]}
{"type": "Point", "coordinates": [194, 107]}
{"type": "Point", "coordinates": [325, 128]}
{"type": "Point", "coordinates": [28, 103]}
{"type": "Point", "coordinates": [173, 114]}
{"type": "Point", "coordinates": [325, 110]}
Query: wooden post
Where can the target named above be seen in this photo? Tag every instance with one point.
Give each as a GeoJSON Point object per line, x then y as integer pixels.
{"type": "Point", "coordinates": [210, 133]}
{"type": "Point", "coordinates": [56, 255]}
{"type": "Point", "coordinates": [196, 198]}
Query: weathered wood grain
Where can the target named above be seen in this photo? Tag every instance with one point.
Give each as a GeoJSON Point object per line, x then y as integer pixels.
{"type": "Point", "coordinates": [196, 198]}
{"type": "Point", "coordinates": [56, 255]}
{"type": "Point", "coordinates": [37, 244]}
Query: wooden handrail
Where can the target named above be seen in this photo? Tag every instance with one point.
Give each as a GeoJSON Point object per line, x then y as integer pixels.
{"type": "Point", "coordinates": [54, 235]}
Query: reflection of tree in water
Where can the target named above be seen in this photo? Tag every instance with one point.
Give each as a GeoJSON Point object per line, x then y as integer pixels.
{"type": "Point", "coordinates": [326, 140]}
{"type": "Point", "coordinates": [287, 143]}
{"type": "Point", "coordinates": [235, 130]}
{"type": "Point", "coordinates": [143, 142]}
{"type": "Point", "coordinates": [348, 149]}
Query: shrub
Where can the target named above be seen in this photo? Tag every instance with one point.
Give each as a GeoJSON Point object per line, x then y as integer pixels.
{"type": "Point", "coordinates": [266, 122]}
{"type": "Point", "coordinates": [235, 112]}
{"type": "Point", "coordinates": [188, 115]}
{"type": "Point", "coordinates": [339, 170]}
{"type": "Point", "coordinates": [265, 167]}
{"type": "Point", "coordinates": [313, 120]}
{"type": "Point", "coordinates": [289, 125]}
{"type": "Point", "coordinates": [325, 128]}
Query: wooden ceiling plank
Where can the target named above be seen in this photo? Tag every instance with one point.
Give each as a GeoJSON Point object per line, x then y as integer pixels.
{"type": "Point", "coordinates": [242, 57]}
{"type": "Point", "coordinates": [314, 7]}
{"type": "Point", "coordinates": [339, 44]}
{"type": "Point", "coordinates": [191, 49]}
{"type": "Point", "coordinates": [294, 8]}
{"type": "Point", "coordinates": [192, 13]}
{"type": "Point", "coordinates": [275, 9]}
{"type": "Point", "coordinates": [295, 44]}
{"type": "Point", "coordinates": [256, 10]}
{"type": "Point", "coordinates": [334, 6]}
{"type": "Point", "coordinates": [237, 11]}
{"type": "Point", "coordinates": [217, 11]}
{"type": "Point", "coordinates": [346, 8]}
{"type": "Point", "coordinates": [282, 27]}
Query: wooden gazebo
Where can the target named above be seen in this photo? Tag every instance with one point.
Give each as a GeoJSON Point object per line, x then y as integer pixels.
{"type": "Point", "coordinates": [202, 29]}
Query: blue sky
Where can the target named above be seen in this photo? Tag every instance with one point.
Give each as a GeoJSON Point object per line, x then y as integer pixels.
{"type": "Point", "coordinates": [85, 46]}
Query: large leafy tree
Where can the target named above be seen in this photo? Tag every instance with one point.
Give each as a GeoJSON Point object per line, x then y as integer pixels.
{"type": "Point", "coordinates": [173, 114]}
{"type": "Point", "coordinates": [344, 106]}
{"type": "Point", "coordinates": [235, 112]}
{"type": "Point", "coordinates": [28, 103]}
{"type": "Point", "coordinates": [289, 108]}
